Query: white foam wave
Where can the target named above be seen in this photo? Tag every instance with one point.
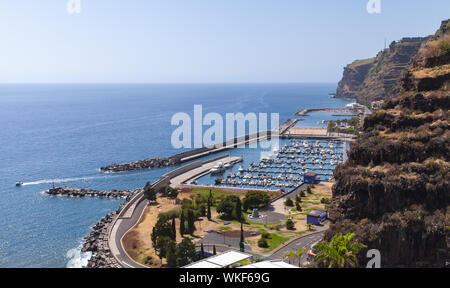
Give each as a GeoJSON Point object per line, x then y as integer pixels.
{"type": "Point", "coordinates": [77, 259]}
{"type": "Point", "coordinates": [62, 180]}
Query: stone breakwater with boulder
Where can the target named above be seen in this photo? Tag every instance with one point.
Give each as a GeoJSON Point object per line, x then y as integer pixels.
{"type": "Point", "coordinates": [79, 192]}
{"type": "Point", "coordinates": [97, 240]}
{"type": "Point", "coordinates": [97, 243]}
{"type": "Point", "coordinates": [141, 165]}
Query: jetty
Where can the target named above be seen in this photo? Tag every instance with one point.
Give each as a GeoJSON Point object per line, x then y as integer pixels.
{"type": "Point", "coordinates": [326, 110]}
{"type": "Point", "coordinates": [79, 192]}
{"type": "Point", "coordinates": [183, 157]}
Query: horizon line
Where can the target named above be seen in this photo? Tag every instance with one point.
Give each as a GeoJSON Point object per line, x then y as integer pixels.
{"type": "Point", "coordinates": [157, 83]}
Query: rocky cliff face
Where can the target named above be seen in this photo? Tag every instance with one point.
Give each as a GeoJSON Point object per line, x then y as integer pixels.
{"type": "Point", "coordinates": [353, 77]}
{"type": "Point", "coordinates": [378, 78]}
{"type": "Point", "coordinates": [393, 191]}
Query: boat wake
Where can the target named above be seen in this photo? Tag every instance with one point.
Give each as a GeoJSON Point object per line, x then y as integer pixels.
{"type": "Point", "coordinates": [77, 259]}
{"type": "Point", "coordinates": [63, 180]}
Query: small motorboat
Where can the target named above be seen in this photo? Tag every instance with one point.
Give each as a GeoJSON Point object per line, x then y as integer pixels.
{"type": "Point", "coordinates": [19, 184]}
{"type": "Point", "coordinates": [228, 166]}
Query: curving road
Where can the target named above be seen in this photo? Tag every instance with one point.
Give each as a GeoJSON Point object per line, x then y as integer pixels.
{"type": "Point", "coordinates": [303, 242]}
{"type": "Point", "coordinates": [121, 228]}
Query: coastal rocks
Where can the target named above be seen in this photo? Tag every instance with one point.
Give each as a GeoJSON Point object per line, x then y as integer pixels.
{"type": "Point", "coordinates": [97, 243]}
{"type": "Point", "coordinates": [97, 240]}
{"type": "Point", "coordinates": [142, 164]}
{"type": "Point", "coordinates": [79, 192]}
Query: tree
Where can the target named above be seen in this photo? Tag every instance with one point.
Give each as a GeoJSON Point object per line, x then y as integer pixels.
{"type": "Point", "coordinates": [340, 252]}
{"type": "Point", "coordinates": [310, 226]}
{"type": "Point", "coordinates": [174, 229]}
{"type": "Point", "coordinates": [262, 242]}
{"type": "Point", "coordinates": [208, 212]}
{"type": "Point", "coordinates": [290, 255]}
{"type": "Point", "coordinates": [171, 255]}
{"type": "Point", "coordinates": [191, 221]}
{"type": "Point", "coordinates": [162, 229]}
{"type": "Point", "coordinates": [289, 202]}
{"type": "Point", "coordinates": [186, 252]}
{"type": "Point", "coordinates": [228, 206]}
{"type": "Point", "coordinates": [298, 207]}
{"type": "Point", "coordinates": [170, 192]}
{"type": "Point", "coordinates": [149, 192]}
{"type": "Point", "coordinates": [182, 224]}
{"type": "Point", "coordinates": [241, 243]}
{"type": "Point", "coordinates": [237, 213]}
{"type": "Point", "coordinates": [298, 200]}
{"type": "Point", "coordinates": [210, 199]}
{"type": "Point", "coordinates": [290, 224]}
{"type": "Point", "coordinates": [299, 254]}
{"type": "Point", "coordinates": [255, 199]}
{"type": "Point", "coordinates": [161, 246]}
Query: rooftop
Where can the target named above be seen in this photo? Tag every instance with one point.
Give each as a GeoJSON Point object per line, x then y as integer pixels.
{"type": "Point", "coordinates": [270, 264]}
{"type": "Point", "coordinates": [220, 261]}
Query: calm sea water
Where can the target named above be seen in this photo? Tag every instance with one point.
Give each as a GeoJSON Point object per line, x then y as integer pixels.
{"type": "Point", "coordinates": [64, 133]}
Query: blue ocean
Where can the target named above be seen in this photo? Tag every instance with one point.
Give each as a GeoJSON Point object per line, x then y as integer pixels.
{"type": "Point", "coordinates": [63, 134]}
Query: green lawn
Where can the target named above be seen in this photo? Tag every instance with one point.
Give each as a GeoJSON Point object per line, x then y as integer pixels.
{"type": "Point", "coordinates": [225, 228]}
{"type": "Point", "coordinates": [217, 193]}
{"type": "Point", "coordinates": [274, 241]}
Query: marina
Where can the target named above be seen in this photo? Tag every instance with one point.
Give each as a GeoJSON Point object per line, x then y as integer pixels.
{"type": "Point", "coordinates": [280, 168]}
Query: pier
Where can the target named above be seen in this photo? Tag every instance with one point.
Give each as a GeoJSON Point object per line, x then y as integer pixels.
{"type": "Point", "coordinates": [326, 110]}
{"type": "Point", "coordinates": [190, 175]}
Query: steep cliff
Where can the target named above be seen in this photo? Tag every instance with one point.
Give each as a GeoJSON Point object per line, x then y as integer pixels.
{"type": "Point", "coordinates": [378, 78]}
{"type": "Point", "coordinates": [353, 77]}
{"type": "Point", "coordinates": [393, 190]}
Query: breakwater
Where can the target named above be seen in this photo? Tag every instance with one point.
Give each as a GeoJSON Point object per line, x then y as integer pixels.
{"type": "Point", "coordinates": [188, 155]}
{"type": "Point", "coordinates": [142, 164]}
{"type": "Point", "coordinates": [328, 110]}
{"type": "Point", "coordinates": [97, 243]}
{"type": "Point", "coordinates": [79, 192]}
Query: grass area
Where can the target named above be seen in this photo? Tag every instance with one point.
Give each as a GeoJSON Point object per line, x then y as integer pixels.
{"type": "Point", "coordinates": [275, 240]}
{"type": "Point", "coordinates": [218, 194]}
{"type": "Point", "coordinates": [244, 262]}
{"type": "Point", "coordinates": [306, 211]}
{"type": "Point", "coordinates": [233, 221]}
{"type": "Point", "coordinates": [225, 228]}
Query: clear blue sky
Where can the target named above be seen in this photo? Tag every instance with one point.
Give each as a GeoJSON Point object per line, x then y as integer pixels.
{"type": "Point", "coordinates": [201, 40]}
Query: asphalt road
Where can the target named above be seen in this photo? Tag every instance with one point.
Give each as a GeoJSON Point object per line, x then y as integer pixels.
{"type": "Point", "coordinates": [123, 226]}
{"type": "Point", "coordinates": [303, 242]}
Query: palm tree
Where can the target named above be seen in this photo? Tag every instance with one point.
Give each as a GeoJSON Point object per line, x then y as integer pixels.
{"type": "Point", "coordinates": [299, 254]}
{"type": "Point", "coordinates": [290, 255]}
{"type": "Point", "coordinates": [341, 252]}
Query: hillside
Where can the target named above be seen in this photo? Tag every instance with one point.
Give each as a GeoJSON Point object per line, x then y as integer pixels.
{"type": "Point", "coordinates": [393, 191]}
{"type": "Point", "coordinates": [378, 78]}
